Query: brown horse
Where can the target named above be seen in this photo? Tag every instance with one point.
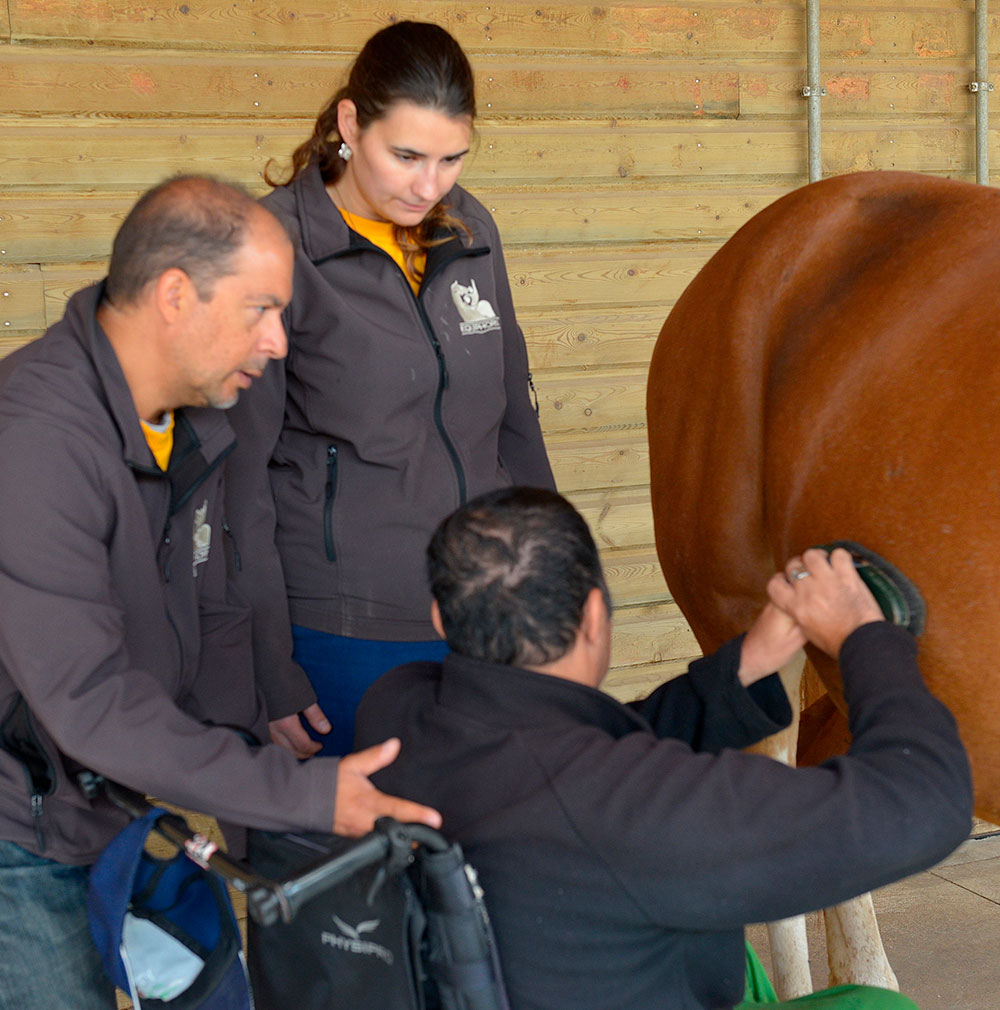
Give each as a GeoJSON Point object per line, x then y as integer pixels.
{"type": "Point", "coordinates": [832, 373]}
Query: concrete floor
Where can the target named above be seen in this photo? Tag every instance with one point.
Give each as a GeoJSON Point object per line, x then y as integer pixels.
{"type": "Point", "coordinates": [941, 930]}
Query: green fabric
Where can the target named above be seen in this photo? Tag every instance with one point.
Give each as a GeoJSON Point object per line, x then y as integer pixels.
{"type": "Point", "coordinates": [759, 988]}
{"type": "Point", "coordinates": [760, 992]}
{"type": "Point", "coordinates": [843, 997]}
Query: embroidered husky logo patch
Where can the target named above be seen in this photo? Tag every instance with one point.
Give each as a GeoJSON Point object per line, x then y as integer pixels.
{"type": "Point", "coordinates": [478, 316]}
{"type": "Point", "coordinates": [202, 538]}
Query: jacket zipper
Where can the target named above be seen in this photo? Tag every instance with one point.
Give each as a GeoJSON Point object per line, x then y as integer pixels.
{"type": "Point", "coordinates": [36, 817]}
{"type": "Point", "coordinates": [228, 530]}
{"type": "Point", "coordinates": [456, 461]}
{"type": "Point", "coordinates": [534, 392]}
{"type": "Point", "coordinates": [36, 792]}
{"type": "Point", "coordinates": [438, 398]}
{"type": "Point", "coordinates": [163, 551]}
{"type": "Point", "coordinates": [330, 494]}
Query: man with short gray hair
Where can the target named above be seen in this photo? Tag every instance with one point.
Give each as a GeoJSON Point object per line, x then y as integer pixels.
{"type": "Point", "coordinates": [124, 649]}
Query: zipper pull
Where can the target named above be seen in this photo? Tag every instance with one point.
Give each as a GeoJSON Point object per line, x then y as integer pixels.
{"type": "Point", "coordinates": [331, 469]}
{"type": "Point", "coordinates": [442, 364]}
{"type": "Point", "coordinates": [237, 560]}
{"type": "Point", "coordinates": [534, 393]}
{"type": "Point", "coordinates": [166, 545]}
{"type": "Point", "coordinates": [331, 491]}
{"type": "Point", "coordinates": [36, 815]}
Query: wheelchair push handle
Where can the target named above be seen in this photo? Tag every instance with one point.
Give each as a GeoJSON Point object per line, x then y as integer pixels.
{"type": "Point", "coordinates": [271, 901]}
{"type": "Point", "coordinates": [390, 841]}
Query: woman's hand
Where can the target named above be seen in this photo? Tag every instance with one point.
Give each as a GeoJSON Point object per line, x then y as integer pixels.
{"type": "Point", "coordinates": [290, 733]}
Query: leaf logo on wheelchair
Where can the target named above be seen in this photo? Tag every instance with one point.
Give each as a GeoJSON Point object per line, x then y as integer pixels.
{"type": "Point", "coordinates": [350, 940]}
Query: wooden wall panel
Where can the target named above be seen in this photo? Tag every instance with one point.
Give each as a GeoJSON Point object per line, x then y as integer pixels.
{"type": "Point", "coordinates": [582, 462]}
{"type": "Point", "coordinates": [588, 338]}
{"type": "Point", "coordinates": [618, 518]}
{"type": "Point", "coordinates": [634, 576]}
{"type": "Point", "coordinates": [585, 337]}
{"type": "Point", "coordinates": [51, 228]}
{"type": "Point", "coordinates": [628, 682]}
{"type": "Point", "coordinates": [21, 299]}
{"type": "Point", "coordinates": [599, 86]}
{"type": "Point", "coordinates": [619, 145]}
{"type": "Point", "coordinates": [563, 216]}
{"type": "Point", "coordinates": [858, 147]}
{"type": "Point", "coordinates": [108, 153]}
{"type": "Point", "coordinates": [849, 28]}
{"type": "Point", "coordinates": [604, 400]}
{"type": "Point", "coordinates": [651, 633]}
{"type": "Point", "coordinates": [938, 90]}
{"type": "Point", "coordinates": [148, 82]}
{"type": "Point", "coordinates": [668, 30]}
{"type": "Point", "coordinates": [101, 82]}
{"type": "Point", "coordinates": [10, 342]}
{"type": "Point", "coordinates": [39, 227]}
{"type": "Point", "coordinates": [115, 154]}
{"type": "Point", "coordinates": [63, 279]}
{"type": "Point", "coordinates": [588, 276]}
{"type": "Point", "coordinates": [736, 31]}
{"type": "Point", "coordinates": [634, 150]}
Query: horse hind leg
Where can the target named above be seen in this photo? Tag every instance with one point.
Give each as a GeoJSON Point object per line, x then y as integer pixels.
{"type": "Point", "coordinates": [790, 957]}
{"type": "Point", "coordinates": [854, 949]}
{"type": "Point", "coordinates": [787, 937]}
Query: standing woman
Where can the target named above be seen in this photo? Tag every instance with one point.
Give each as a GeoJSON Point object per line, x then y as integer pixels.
{"type": "Point", "coordinates": [405, 391]}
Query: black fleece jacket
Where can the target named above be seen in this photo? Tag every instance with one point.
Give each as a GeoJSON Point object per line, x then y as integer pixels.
{"type": "Point", "coordinates": [623, 848]}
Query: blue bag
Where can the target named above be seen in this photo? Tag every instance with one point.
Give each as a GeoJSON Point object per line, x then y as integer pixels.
{"type": "Point", "coordinates": [165, 928]}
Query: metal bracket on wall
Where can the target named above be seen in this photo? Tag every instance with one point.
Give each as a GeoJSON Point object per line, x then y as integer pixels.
{"type": "Point", "coordinates": [976, 85]}
{"type": "Point", "coordinates": [808, 92]}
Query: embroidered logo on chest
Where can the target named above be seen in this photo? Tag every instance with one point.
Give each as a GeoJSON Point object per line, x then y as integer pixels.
{"type": "Point", "coordinates": [202, 538]}
{"type": "Point", "coordinates": [478, 316]}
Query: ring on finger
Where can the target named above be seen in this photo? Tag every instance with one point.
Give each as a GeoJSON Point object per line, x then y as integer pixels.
{"type": "Point", "coordinates": [800, 574]}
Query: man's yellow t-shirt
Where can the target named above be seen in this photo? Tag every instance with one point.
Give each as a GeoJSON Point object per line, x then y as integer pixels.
{"type": "Point", "coordinates": [160, 438]}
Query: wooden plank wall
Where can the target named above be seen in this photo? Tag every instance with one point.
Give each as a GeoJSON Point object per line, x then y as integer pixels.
{"type": "Point", "coordinates": [618, 145]}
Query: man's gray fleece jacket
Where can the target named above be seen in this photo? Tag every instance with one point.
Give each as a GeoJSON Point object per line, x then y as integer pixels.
{"type": "Point", "coordinates": [120, 642]}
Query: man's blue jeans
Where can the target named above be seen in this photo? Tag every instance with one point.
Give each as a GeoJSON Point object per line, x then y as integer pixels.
{"type": "Point", "coordinates": [49, 960]}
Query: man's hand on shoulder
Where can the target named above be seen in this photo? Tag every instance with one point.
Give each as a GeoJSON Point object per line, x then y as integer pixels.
{"type": "Point", "coordinates": [825, 596]}
{"type": "Point", "coordinates": [359, 803]}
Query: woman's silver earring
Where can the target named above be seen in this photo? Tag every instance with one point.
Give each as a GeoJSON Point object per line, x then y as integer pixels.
{"type": "Point", "coordinates": [344, 151]}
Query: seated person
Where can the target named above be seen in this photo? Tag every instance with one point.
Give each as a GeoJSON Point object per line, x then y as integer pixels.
{"type": "Point", "coordinates": [622, 848]}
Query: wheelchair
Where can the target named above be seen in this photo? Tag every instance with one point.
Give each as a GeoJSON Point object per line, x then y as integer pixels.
{"type": "Point", "coordinates": [395, 920]}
